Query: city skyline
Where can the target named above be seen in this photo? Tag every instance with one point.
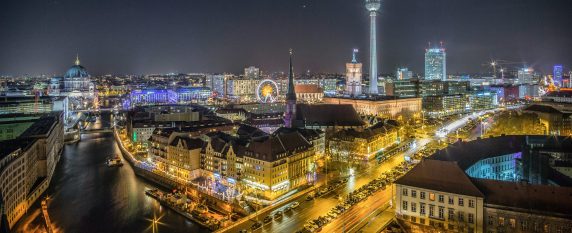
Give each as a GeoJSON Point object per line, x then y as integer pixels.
{"type": "Point", "coordinates": [128, 38]}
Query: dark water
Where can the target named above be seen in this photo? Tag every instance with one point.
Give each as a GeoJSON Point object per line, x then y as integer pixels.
{"type": "Point", "coordinates": [87, 196]}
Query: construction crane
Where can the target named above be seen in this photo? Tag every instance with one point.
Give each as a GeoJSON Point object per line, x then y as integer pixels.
{"type": "Point", "coordinates": [502, 65]}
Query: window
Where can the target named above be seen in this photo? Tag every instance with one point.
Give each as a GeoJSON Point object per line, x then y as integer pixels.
{"type": "Point", "coordinates": [413, 193]}
{"type": "Point", "coordinates": [404, 192]}
{"type": "Point", "coordinates": [413, 219]}
{"type": "Point", "coordinates": [491, 221]}
{"type": "Point", "coordinates": [451, 201]}
{"type": "Point", "coordinates": [501, 221]}
{"type": "Point", "coordinates": [441, 198]}
{"type": "Point", "coordinates": [461, 203]}
{"type": "Point", "coordinates": [546, 227]}
{"type": "Point", "coordinates": [413, 207]}
{"type": "Point", "coordinates": [512, 222]}
{"type": "Point", "coordinates": [422, 221]}
{"type": "Point", "coordinates": [470, 218]}
{"type": "Point", "coordinates": [461, 216]}
{"type": "Point", "coordinates": [431, 211]}
{"type": "Point", "coordinates": [404, 206]}
{"type": "Point", "coordinates": [422, 195]}
{"type": "Point", "coordinates": [422, 208]}
{"type": "Point", "coordinates": [432, 196]}
{"type": "Point", "coordinates": [523, 225]}
{"type": "Point", "coordinates": [451, 214]}
{"type": "Point", "coordinates": [472, 203]}
{"type": "Point", "coordinates": [441, 212]}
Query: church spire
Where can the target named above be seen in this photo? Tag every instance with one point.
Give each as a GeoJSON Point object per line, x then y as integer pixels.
{"type": "Point", "coordinates": [291, 95]}
{"type": "Point", "coordinates": [290, 112]}
{"type": "Point", "coordinates": [77, 59]}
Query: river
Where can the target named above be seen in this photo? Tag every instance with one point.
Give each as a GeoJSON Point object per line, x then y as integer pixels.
{"type": "Point", "coordinates": [87, 196]}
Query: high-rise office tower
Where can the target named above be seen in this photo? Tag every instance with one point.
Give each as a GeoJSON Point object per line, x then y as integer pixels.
{"type": "Point", "coordinates": [373, 7]}
{"type": "Point", "coordinates": [403, 74]}
{"type": "Point", "coordinates": [353, 76]}
{"type": "Point", "coordinates": [557, 75]}
{"type": "Point", "coordinates": [525, 76]}
{"type": "Point", "coordinates": [435, 64]}
{"type": "Point", "coordinates": [251, 72]}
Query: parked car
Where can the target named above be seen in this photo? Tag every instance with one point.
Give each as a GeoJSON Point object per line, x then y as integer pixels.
{"type": "Point", "coordinates": [295, 205]}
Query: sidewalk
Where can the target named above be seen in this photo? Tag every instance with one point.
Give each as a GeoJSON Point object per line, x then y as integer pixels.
{"type": "Point", "coordinates": [377, 221]}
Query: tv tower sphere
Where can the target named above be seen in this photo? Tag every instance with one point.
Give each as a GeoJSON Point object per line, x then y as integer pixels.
{"type": "Point", "coordinates": [372, 5]}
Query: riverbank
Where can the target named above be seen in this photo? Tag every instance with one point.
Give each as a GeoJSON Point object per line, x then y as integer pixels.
{"type": "Point", "coordinates": [189, 210]}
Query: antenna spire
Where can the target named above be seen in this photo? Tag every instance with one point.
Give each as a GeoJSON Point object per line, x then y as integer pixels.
{"type": "Point", "coordinates": [77, 59]}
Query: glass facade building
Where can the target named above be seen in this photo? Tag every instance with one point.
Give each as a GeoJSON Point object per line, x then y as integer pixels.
{"type": "Point", "coordinates": [435, 64]}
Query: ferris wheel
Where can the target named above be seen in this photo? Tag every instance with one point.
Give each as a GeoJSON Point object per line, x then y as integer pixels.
{"type": "Point", "coordinates": [267, 91]}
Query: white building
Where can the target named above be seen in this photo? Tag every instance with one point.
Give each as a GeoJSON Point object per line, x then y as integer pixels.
{"type": "Point", "coordinates": [438, 195]}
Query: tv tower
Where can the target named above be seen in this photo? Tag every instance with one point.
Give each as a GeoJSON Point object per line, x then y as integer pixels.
{"type": "Point", "coordinates": [373, 7]}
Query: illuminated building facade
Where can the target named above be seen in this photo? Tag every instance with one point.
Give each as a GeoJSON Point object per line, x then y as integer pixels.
{"type": "Point", "coordinates": [251, 72]}
{"type": "Point", "coordinates": [436, 64]}
{"type": "Point", "coordinates": [27, 164]}
{"type": "Point", "coordinates": [445, 105]}
{"type": "Point", "coordinates": [242, 90]}
{"type": "Point", "coordinates": [308, 93]}
{"type": "Point", "coordinates": [501, 184]}
{"type": "Point", "coordinates": [167, 96]}
{"type": "Point", "coordinates": [353, 76]}
{"type": "Point", "coordinates": [387, 106]}
{"type": "Point", "coordinates": [526, 76]}
{"type": "Point", "coordinates": [77, 79]}
{"type": "Point", "coordinates": [403, 74]}
{"type": "Point", "coordinates": [353, 145]}
{"type": "Point", "coordinates": [558, 72]}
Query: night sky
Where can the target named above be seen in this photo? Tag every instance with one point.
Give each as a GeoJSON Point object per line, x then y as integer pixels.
{"type": "Point", "coordinates": [152, 36]}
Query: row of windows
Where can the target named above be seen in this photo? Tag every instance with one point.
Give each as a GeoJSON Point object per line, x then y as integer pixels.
{"type": "Point", "coordinates": [440, 197]}
{"type": "Point", "coordinates": [460, 216]}
{"type": "Point", "coordinates": [526, 225]}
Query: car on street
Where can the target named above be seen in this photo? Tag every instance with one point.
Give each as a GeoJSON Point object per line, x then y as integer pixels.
{"type": "Point", "coordinates": [295, 205]}
{"type": "Point", "coordinates": [255, 226]}
{"type": "Point", "coordinates": [267, 219]}
{"type": "Point", "coordinates": [278, 215]}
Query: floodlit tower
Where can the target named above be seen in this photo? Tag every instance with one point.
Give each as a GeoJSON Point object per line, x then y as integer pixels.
{"type": "Point", "coordinates": [353, 76]}
{"type": "Point", "coordinates": [373, 7]}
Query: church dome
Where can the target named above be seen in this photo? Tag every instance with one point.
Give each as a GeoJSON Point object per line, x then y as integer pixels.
{"type": "Point", "coordinates": [76, 71]}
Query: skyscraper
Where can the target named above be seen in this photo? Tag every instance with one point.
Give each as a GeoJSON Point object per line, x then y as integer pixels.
{"type": "Point", "coordinates": [557, 75]}
{"type": "Point", "coordinates": [435, 64]}
{"type": "Point", "coordinates": [251, 72]}
{"type": "Point", "coordinates": [353, 76]}
{"type": "Point", "coordinates": [525, 76]}
{"type": "Point", "coordinates": [290, 112]}
{"type": "Point", "coordinates": [373, 7]}
{"type": "Point", "coordinates": [403, 74]}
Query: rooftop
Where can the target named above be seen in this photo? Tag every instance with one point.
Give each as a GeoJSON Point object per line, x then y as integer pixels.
{"type": "Point", "coordinates": [440, 176]}
{"type": "Point", "coordinates": [543, 198]}
{"type": "Point", "coordinates": [328, 115]}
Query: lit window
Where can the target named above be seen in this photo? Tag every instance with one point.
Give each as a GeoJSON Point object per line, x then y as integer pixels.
{"type": "Point", "coordinates": [432, 196]}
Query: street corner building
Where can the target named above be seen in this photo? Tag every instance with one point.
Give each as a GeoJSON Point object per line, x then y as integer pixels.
{"type": "Point", "coordinates": [502, 184]}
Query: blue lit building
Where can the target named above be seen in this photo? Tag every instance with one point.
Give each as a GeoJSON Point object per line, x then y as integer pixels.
{"type": "Point", "coordinates": [163, 96]}
{"type": "Point", "coordinates": [435, 64]}
{"type": "Point", "coordinates": [557, 75]}
{"type": "Point", "coordinates": [512, 158]}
